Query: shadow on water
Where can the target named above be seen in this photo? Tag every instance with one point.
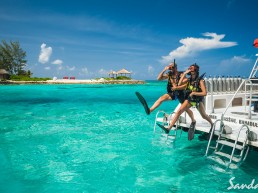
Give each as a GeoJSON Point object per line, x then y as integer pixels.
{"type": "Point", "coordinates": [33, 101]}
{"type": "Point", "coordinates": [192, 158]}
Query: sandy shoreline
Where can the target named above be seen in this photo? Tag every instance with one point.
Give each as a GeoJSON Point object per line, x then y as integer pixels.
{"type": "Point", "coordinates": [64, 81]}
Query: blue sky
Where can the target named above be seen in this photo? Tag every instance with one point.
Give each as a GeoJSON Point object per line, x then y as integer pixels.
{"type": "Point", "coordinates": [87, 39]}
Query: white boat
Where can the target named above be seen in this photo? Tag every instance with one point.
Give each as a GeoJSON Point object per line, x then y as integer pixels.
{"type": "Point", "coordinates": [232, 104]}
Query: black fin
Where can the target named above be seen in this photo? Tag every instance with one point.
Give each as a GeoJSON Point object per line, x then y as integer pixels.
{"type": "Point", "coordinates": [144, 103]}
{"type": "Point", "coordinates": [163, 128]}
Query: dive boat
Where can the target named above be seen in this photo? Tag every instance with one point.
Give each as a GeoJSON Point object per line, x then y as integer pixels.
{"type": "Point", "coordinates": [232, 104]}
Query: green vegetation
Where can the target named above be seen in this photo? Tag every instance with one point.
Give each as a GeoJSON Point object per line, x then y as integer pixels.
{"type": "Point", "coordinates": [123, 78]}
{"type": "Point", "coordinates": [117, 78]}
{"type": "Point", "coordinates": [26, 78]}
{"type": "Point", "coordinates": [12, 57]}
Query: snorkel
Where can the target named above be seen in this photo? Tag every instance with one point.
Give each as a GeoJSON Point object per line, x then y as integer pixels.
{"type": "Point", "coordinates": [172, 69]}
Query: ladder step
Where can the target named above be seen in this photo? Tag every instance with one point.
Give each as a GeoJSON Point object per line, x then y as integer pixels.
{"type": "Point", "coordinates": [235, 159]}
{"type": "Point", "coordinates": [227, 143]}
{"type": "Point", "coordinates": [171, 136]}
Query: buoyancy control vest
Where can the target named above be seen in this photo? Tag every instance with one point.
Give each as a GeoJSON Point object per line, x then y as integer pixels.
{"type": "Point", "coordinates": [169, 83]}
{"type": "Point", "coordinates": [193, 85]}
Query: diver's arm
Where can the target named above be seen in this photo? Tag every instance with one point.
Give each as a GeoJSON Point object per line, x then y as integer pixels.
{"type": "Point", "coordinates": [182, 78]}
{"type": "Point", "coordinates": [181, 87]}
{"type": "Point", "coordinates": [161, 75]}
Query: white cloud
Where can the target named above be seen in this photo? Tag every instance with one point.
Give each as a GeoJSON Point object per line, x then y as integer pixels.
{"type": "Point", "coordinates": [239, 60]}
{"type": "Point", "coordinates": [192, 46]}
{"type": "Point", "coordinates": [58, 62]}
{"type": "Point", "coordinates": [60, 67]}
{"type": "Point", "coordinates": [103, 71]}
{"type": "Point", "coordinates": [71, 68]}
{"type": "Point", "coordinates": [233, 66]}
{"type": "Point", "coordinates": [47, 68]}
{"type": "Point", "coordinates": [150, 70]}
{"type": "Point", "coordinates": [45, 54]}
{"type": "Point", "coordinates": [85, 71]}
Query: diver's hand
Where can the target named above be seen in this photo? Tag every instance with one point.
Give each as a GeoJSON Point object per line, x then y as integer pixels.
{"type": "Point", "coordinates": [167, 68]}
{"type": "Point", "coordinates": [191, 95]}
{"type": "Point", "coordinates": [187, 71]}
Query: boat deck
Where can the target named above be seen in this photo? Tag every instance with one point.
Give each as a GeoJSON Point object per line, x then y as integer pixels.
{"type": "Point", "coordinates": [234, 118]}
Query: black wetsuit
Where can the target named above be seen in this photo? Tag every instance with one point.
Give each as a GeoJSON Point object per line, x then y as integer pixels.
{"type": "Point", "coordinates": [178, 94]}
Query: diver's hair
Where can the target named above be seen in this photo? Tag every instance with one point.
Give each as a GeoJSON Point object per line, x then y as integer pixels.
{"type": "Point", "coordinates": [196, 69]}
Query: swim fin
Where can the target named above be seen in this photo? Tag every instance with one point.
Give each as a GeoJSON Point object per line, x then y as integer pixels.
{"type": "Point", "coordinates": [163, 128]}
{"type": "Point", "coordinates": [191, 131]}
{"type": "Point", "coordinates": [144, 103]}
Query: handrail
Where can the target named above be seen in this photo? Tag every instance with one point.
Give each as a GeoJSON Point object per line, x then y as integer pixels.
{"type": "Point", "coordinates": [252, 72]}
{"type": "Point", "coordinates": [211, 88]}
{"type": "Point", "coordinates": [160, 111]}
{"type": "Point", "coordinates": [211, 135]}
{"type": "Point", "coordinates": [233, 151]}
{"type": "Point", "coordinates": [250, 97]}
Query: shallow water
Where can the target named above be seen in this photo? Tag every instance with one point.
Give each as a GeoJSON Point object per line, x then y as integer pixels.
{"type": "Point", "coordinates": [97, 138]}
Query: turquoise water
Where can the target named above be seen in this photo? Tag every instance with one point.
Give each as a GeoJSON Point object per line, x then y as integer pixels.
{"type": "Point", "coordinates": [97, 138]}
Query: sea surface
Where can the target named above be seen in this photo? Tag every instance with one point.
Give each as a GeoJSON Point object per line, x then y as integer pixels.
{"type": "Point", "coordinates": [97, 138]}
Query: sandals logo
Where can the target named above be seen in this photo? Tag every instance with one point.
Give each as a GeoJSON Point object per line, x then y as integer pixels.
{"type": "Point", "coordinates": [251, 186]}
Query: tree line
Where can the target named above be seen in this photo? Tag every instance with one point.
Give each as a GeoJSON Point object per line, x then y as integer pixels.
{"type": "Point", "coordinates": [13, 58]}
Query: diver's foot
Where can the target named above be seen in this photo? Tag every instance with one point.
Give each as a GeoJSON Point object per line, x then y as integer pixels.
{"type": "Point", "coordinates": [191, 131]}
{"type": "Point", "coordinates": [163, 128]}
{"type": "Point", "coordinates": [204, 136]}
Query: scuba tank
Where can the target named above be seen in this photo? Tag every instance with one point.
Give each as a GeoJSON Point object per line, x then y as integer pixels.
{"type": "Point", "coordinates": [224, 86]}
{"type": "Point", "coordinates": [236, 85]}
{"type": "Point", "coordinates": [239, 79]}
{"type": "Point", "coordinates": [219, 84]}
{"type": "Point", "coordinates": [207, 85]}
{"type": "Point", "coordinates": [214, 80]}
{"type": "Point", "coordinates": [227, 84]}
{"type": "Point", "coordinates": [210, 83]}
{"type": "Point", "coordinates": [231, 84]}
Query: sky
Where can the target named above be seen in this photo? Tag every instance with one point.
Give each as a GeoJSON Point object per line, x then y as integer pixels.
{"type": "Point", "coordinates": [87, 39]}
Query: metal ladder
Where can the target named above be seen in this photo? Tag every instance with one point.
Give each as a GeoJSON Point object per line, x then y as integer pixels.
{"type": "Point", "coordinates": [234, 144]}
{"type": "Point", "coordinates": [251, 84]}
{"type": "Point", "coordinates": [172, 135]}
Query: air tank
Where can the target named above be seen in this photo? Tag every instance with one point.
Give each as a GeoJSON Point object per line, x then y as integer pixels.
{"type": "Point", "coordinates": [219, 84]}
{"type": "Point", "coordinates": [210, 83]}
{"type": "Point", "coordinates": [214, 80]}
{"type": "Point", "coordinates": [236, 84]}
{"type": "Point", "coordinates": [231, 83]}
{"type": "Point", "coordinates": [227, 84]}
{"type": "Point", "coordinates": [207, 85]}
{"type": "Point", "coordinates": [239, 82]}
{"type": "Point", "coordinates": [224, 86]}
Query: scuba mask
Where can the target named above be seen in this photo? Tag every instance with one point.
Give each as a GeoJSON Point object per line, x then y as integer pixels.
{"type": "Point", "coordinates": [195, 67]}
{"type": "Point", "coordinates": [171, 72]}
